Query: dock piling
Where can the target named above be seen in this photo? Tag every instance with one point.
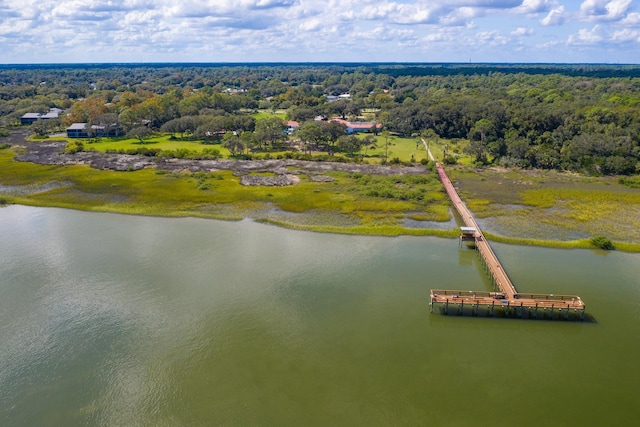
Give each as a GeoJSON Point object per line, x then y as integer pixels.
{"type": "Point", "coordinates": [503, 289]}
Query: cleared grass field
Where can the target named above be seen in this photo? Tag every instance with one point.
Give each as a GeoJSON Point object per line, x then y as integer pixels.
{"type": "Point", "coordinates": [281, 114]}
{"type": "Point", "coordinates": [159, 142]}
{"type": "Point", "coordinates": [405, 150]}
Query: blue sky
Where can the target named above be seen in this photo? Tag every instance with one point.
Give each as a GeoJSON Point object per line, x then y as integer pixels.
{"type": "Point", "coordinates": [598, 31]}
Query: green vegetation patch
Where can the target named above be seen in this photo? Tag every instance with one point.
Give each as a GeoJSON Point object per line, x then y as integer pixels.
{"type": "Point", "coordinates": [631, 182]}
{"type": "Point", "coordinates": [157, 143]}
{"type": "Point", "coordinates": [602, 242]}
{"type": "Point", "coordinates": [409, 187]}
{"type": "Point", "coordinates": [341, 203]}
{"type": "Point", "coordinates": [263, 114]}
{"type": "Point", "coordinates": [549, 205]}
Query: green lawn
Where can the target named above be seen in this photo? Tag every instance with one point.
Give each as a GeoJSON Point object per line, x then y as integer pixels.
{"type": "Point", "coordinates": [162, 142]}
{"type": "Point", "coordinates": [402, 148]}
{"type": "Point", "coordinates": [405, 148]}
{"type": "Point", "coordinates": [282, 114]}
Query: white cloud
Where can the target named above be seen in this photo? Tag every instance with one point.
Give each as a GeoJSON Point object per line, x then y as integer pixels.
{"type": "Point", "coordinates": [631, 19]}
{"type": "Point", "coordinates": [313, 24]}
{"type": "Point", "coordinates": [460, 16]}
{"type": "Point", "coordinates": [587, 37]}
{"type": "Point", "coordinates": [556, 16]}
{"type": "Point", "coordinates": [605, 10]}
{"type": "Point", "coordinates": [267, 4]}
{"type": "Point", "coordinates": [535, 6]}
{"type": "Point", "coordinates": [522, 31]}
{"type": "Point", "coordinates": [626, 35]}
{"type": "Point", "coordinates": [219, 30]}
{"type": "Point", "coordinates": [443, 35]}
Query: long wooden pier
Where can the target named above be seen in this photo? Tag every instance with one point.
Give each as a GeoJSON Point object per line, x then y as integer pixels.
{"type": "Point", "coordinates": [505, 298]}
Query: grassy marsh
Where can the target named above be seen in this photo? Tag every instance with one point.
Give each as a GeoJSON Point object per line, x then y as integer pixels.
{"type": "Point", "coordinates": [339, 206]}
{"type": "Point", "coordinates": [513, 206]}
{"type": "Point", "coordinates": [551, 209]}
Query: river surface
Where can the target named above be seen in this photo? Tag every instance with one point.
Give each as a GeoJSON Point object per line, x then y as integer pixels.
{"type": "Point", "coordinates": [114, 320]}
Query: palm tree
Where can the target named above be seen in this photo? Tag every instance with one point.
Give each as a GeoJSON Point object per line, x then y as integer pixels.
{"type": "Point", "coordinates": [387, 138]}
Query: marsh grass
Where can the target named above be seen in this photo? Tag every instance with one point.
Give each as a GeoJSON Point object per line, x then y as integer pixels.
{"type": "Point", "coordinates": [329, 205]}
{"type": "Point", "coordinates": [631, 182]}
{"type": "Point", "coordinates": [569, 244]}
{"type": "Point", "coordinates": [382, 230]}
{"type": "Point", "coordinates": [531, 208]}
{"type": "Point", "coordinates": [549, 206]}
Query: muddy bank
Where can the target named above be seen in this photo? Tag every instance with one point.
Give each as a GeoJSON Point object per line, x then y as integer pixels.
{"type": "Point", "coordinates": [52, 153]}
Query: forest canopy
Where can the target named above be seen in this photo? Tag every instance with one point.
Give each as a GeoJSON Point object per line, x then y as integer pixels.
{"type": "Point", "coordinates": [582, 118]}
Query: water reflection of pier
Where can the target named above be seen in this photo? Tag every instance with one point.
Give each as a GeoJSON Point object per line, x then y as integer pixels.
{"type": "Point", "coordinates": [505, 299]}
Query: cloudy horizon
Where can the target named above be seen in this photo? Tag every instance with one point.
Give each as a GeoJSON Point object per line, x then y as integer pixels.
{"type": "Point", "coordinates": [534, 31]}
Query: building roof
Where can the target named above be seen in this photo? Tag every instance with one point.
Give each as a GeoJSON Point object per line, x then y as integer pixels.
{"type": "Point", "coordinates": [77, 126]}
{"type": "Point", "coordinates": [363, 125]}
{"type": "Point", "coordinates": [52, 114]}
{"type": "Point", "coordinates": [82, 126]}
{"type": "Point", "coordinates": [357, 125]}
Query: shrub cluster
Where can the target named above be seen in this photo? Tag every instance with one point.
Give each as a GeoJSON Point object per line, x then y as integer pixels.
{"type": "Point", "coordinates": [181, 153]}
{"type": "Point", "coordinates": [74, 147]}
{"type": "Point", "coordinates": [409, 187]}
{"type": "Point", "coordinates": [602, 242]}
{"type": "Point", "coordinates": [631, 182]}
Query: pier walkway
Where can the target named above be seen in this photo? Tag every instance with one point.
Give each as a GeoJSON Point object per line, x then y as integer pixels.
{"type": "Point", "coordinates": [505, 298]}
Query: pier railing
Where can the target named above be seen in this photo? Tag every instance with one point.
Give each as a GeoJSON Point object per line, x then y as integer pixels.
{"type": "Point", "coordinates": [508, 296]}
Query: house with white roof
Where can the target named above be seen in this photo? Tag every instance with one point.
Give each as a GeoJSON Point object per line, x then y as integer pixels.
{"type": "Point", "coordinates": [30, 118]}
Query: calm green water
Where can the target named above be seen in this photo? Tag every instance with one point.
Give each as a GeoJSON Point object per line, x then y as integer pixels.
{"type": "Point", "coordinates": [121, 320]}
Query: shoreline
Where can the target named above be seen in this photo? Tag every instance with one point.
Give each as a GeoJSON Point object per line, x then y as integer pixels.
{"type": "Point", "coordinates": [115, 193]}
{"type": "Point", "coordinates": [627, 247]}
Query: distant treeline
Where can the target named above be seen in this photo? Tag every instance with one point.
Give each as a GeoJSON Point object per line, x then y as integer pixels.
{"type": "Point", "coordinates": [581, 117]}
{"type": "Point", "coordinates": [393, 68]}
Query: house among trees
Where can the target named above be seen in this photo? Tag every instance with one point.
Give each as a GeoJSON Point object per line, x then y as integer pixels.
{"type": "Point", "coordinates": [292, 126]}
{"type": "Point", "coordinates": [333, 98]}
{"type": "Point", "coordinates": [77, 130]}
{"type": "Point", "coordinates": [355, 127]}
{"type": "Point", "coordinates": [80, 130]}
{"type": "Point", "coordinates": [30, 118]}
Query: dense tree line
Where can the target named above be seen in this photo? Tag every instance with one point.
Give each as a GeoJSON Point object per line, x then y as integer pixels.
{"type": "Point", "coordinates": [582, 117]}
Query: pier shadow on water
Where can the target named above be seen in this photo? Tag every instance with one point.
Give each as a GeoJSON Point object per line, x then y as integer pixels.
{"type": "Point", "coordinates": [468, 311]}
{"type": "Point", "coordinates": [468, 256]}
